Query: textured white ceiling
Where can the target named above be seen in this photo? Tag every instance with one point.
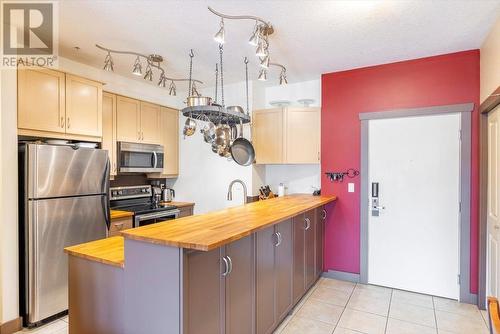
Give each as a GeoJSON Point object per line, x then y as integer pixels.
{"type": "Point", "coordinates": [311, 37]}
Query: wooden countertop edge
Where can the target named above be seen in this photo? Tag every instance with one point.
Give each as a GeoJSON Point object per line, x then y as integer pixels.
{"type": "Point", "coordinates": [115, 214]}
{"type": "Point", "coordinates": [86, 253]}
{"type": "Point", "coordinates": [179, 204]}
{"type": "Point", "coordinates": [201, 247]}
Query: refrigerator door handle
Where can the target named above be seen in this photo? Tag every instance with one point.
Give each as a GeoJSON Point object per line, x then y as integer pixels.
{"type": "Point", "coordinates": [105, 198]}
{"type": "Point", "coordinates": [31, 296]}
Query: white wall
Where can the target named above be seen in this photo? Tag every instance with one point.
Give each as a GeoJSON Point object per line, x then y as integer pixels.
{"type": "Point", "coordinates": [293, 92]}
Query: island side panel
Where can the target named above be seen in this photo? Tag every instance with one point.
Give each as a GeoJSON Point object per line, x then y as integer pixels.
{"type": "Point", "coordinates": [96, 298]}
{"type": "Point", "coordinates": [153, 288]}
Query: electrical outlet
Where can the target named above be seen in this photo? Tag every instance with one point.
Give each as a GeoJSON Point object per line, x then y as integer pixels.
{"type": "Point", "coordinates": [350, 187]}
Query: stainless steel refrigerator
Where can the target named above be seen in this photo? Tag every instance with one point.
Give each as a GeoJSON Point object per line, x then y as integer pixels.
{"type": "Point", "coordinates": [63, 202]}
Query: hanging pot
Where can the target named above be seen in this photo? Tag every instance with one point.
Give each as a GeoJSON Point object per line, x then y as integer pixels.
{"type": "Point", "coordinates": [189, 127]}
{"type": "Point", "coordinates": [195, 101]}
{"type": "Point", "coordinates": [242, 150]}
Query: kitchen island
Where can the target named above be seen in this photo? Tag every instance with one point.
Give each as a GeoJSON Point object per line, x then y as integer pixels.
{"type": "Point", "coordinates": [237, 270]}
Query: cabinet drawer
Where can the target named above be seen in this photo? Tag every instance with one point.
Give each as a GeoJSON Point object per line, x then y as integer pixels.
{"type": "Point", "coordinates": [118, 225]}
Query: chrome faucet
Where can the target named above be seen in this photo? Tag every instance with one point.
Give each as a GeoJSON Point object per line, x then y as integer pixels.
{"type": "Point", "coordinates": [230, 190]}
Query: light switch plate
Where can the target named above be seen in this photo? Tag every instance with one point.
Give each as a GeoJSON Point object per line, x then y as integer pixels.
{"type": "Point", "coordinates": [350, 187]}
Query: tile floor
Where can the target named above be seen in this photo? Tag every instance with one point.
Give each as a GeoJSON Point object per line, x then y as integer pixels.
{"type": "Point", "coordinates": [338, 307]}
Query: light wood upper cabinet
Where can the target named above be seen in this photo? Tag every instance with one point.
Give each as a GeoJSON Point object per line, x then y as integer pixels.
{"type": "Point", "coordinates": [302, 135]}
{"type": "Point", "coordinates": [54, 104]}
{"type": "Point", "coordinates": [267, 136]}
{"type": "Point", "coordinates": [150, 123]}
{"type": "Point", "coordinates": [83, 106]}
{"type": "Point", "coordinates": [128, 118]}
{"type": "Point", "coordinates": [109, 129]}
{"type": "Point", "coordinates": [41, 101]}
{"type": "Point", "coordinates": [287, 136]}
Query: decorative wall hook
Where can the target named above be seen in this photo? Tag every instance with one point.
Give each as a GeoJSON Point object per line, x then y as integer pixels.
{"type": "Point", "coordinates": [339, 176]}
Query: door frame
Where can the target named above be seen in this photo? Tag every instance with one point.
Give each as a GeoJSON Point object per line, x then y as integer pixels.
{"type": "Point", "coordinates": [464, 110]}
{"type": "Point", "coordinates": [489, 104]}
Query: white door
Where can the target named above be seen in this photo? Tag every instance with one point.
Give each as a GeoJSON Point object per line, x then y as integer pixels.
{"type": "Point", "coordinates": [493, 256]}
{"type": "Point", "coordinates": [414, 243]}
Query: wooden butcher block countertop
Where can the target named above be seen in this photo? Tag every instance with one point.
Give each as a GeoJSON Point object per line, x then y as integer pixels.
{"type": "Point", "coordinates": [209, 231]}
{"type": "Point", "coordinates": [108, 251]}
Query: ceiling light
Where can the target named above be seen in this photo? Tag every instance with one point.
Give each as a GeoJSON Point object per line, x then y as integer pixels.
{"type": "Point", "coordinates": [262, 75]}
{"type": "Point", "coordinates": [149, 73]}
{"type": "Point", "coordinates": [137, 69]}
{"type": "Point", "coordinates": [108, 63]}
{"type": "Point", "coordinates": [261, 51]}
{"type": "Point", "coordinates": [219, 36]}
{"type": "Point", "coordinates": [283, 80]}
{"type": "Point", "coordinates": [162, 82]}
{"type": "Point", "coordinates": [265, 62]}
{"type": "Point", "coordinates": [254, 39]}
{"type": "Point", "coordinates": [172, 89]}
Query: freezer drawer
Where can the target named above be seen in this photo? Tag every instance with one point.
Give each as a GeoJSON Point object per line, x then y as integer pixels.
{"type": "Point", "coordinates": [57, 171]}
{"type": "Point", "coordinates": [52, 225]}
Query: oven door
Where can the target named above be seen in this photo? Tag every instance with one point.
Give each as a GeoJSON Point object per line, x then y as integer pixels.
{"type": "Point", "coordinates": [139, 158]}
{"type": "Point", "coordinates": [155, 217]}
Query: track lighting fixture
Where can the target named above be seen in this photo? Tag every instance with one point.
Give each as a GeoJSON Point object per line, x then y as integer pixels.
{"type": "Point", "coordinates": [264, 62]}
{"type": "Point", "coordinates": [254, 39]}
{"type": "Point", "coordinates": [172, 89]}
{"type": "Point", "coordinates": [153, 61]}
{"type": "Point", "coordinates": [219, 36]}
{"type": "Point", "coordinates": [108, 63]}
{"type": "Point", "coordinates": [262, 75]}
{"type": "Point", "coordinates": [137, 69]}
{"type": "Point", "coordinates": [149, 73]}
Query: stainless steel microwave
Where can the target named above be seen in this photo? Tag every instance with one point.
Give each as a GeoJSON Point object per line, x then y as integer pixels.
{"type": "Point", "coordinates": [140, 158]}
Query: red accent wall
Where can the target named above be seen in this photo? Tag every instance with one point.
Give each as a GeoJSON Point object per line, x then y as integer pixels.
{"type": "Point", "coordinates": [440, 80]}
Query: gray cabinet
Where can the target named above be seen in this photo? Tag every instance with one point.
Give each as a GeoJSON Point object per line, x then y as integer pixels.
{"type": "Point", "coordinates": [239, 287]}
{"type": "Point", "coordinates": [274, 269]}
{"type": "Point", "coordinates": [219, 289]}
{"type": "Point", "coordinates": [304, 253]}
{"type": "Point", "coordinates": [203, 288]}
{"type": "Point", "coordinates": [320, 239]}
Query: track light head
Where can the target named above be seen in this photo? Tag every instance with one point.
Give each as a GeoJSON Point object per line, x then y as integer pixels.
{"type": "Point", "coordinates": [108, 63]}
{"type": "Point", "coordinates": [172, 89]}
{"type": "Point", "coordinates": [264, 62]}
{"type": "Point", "coordinates": [283, 80]}
{"type": "Point", "coordinates": [162, 83]}
{"type": "Point", "coordinates": [254, 39]}
{"type": "Point", "coordinates": [219, 36]}
{"type": "Point", "coordinates": [261, 51]}
{"type": "Point", "coordinates": [149, 73]}
{"type": "Point", "coordinates": [137, 69]}
{"type": "Point", "coordinates": [262, 75]}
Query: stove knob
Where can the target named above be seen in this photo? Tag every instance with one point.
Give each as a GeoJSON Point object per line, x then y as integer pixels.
{"type": "Point", "coordinates": [120, 192]}
{"type": "Point", "coordinates": [143, 190]}
{"type": "Point", "coordinates": [114, 193]}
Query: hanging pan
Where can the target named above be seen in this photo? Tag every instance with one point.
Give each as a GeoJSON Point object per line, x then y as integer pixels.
{"type": "Point", "coordinates": [242, 150]}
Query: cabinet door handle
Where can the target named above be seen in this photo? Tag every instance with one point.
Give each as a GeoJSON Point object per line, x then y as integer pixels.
{"type": "Point", "coordinates": [278, 239]}
{"type": "Point", "coordinates": [139, 135]}
{"type": "Point", "coordinates": [62, 122]}
{"type": "Point", "coordinates": [323, 216]}
{"type": "Point", "coordinates": [69, 124]}
{"type": "Point", "coordinates": [308, 223]}
{"type": "Point", "coordinates": [142, 135]}
{"type": "Point", "coordinates": [226, 266]}
{"type": "Point", "coordinates": [230, 264]}
{"type": "Point", "coordinates": [114, 166]}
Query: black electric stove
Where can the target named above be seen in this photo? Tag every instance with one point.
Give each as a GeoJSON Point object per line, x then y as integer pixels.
{"type": "Point", "coordinates": [139, 200]}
